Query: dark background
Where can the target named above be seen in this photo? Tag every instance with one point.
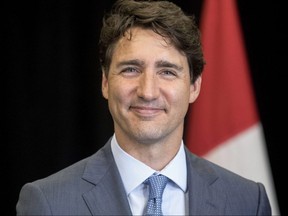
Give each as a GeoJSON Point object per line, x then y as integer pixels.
{"type": "Point", "coordinates": [52, 111]}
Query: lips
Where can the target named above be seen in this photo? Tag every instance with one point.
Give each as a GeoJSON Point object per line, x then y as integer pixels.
{"type": "Point", "coordinates": [146, 110]}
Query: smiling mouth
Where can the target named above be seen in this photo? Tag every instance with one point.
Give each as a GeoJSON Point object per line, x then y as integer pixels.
{"type": "Point", "coordinates": [146, 111]}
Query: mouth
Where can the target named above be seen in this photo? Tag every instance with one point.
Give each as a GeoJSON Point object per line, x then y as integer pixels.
{"type": "Point", "coordinates": [146, 111]}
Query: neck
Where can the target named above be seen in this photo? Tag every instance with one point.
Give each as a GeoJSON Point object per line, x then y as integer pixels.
{"type": "Point", "coordinates": [154, 154]}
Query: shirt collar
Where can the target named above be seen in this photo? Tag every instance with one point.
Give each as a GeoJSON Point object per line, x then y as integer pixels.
{"type": "Point", "coordinates": [176, 170]}
{"type": "Point", "coordinates": [133, 172]}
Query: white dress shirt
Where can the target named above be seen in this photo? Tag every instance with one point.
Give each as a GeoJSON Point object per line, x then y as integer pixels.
{"type": "Point", "coordinates": [133, 173]}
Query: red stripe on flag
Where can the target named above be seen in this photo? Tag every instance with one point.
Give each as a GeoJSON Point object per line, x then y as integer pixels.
{"type": "Point", "coordinates": [226, 104]}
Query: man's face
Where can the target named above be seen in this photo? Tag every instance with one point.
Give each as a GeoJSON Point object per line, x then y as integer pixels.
{"type": "Point", "coordinates": [148, 88]}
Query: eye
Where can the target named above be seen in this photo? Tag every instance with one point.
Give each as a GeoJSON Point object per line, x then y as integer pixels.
{"type": "Point", "coordinates": [130, 71]}
{"type": "Point", "coordinates": [168, 73]}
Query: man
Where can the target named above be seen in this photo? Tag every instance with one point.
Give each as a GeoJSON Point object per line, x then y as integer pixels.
{"type": "Point", "coordinates": [152, 60]}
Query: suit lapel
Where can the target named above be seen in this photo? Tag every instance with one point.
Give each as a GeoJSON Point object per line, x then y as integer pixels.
{"type": "Point", "coordinates": [205, 195]}
{"type": "Point", "coordinates": [108, 196]}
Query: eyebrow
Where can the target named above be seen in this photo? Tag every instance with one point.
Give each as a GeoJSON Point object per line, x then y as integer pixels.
{"type": "Point", "coordinates": [159, 64]}
{"type": "Point", "coordinates": [135, 62]}
{"type": "Point", "coordinates": [167, 64]}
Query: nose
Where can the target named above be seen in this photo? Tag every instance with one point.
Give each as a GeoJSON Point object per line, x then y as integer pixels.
{"type": "Point", "coordinates": [148, 88]}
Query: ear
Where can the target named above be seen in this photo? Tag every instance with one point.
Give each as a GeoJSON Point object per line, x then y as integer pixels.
{"type": "Point", "coordinates": [105, 85]}
{"type": "Point", "coordinates": [195, 89]}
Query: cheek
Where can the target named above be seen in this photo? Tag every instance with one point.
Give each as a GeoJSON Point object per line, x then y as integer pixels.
{"type": "Point", "coordinates": [179, 101]}
{"type": "Point", "coordinates": [119, 93]}
{"type": "Point", "coordinates": [179, 94]}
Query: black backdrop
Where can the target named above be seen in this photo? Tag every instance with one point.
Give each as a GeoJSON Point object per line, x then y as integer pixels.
{"type": "Point", "coordinates": [53, 113]}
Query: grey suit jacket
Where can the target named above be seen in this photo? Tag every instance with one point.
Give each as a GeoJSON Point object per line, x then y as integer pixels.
{"type": "Point", "coordinates": [93, 186]}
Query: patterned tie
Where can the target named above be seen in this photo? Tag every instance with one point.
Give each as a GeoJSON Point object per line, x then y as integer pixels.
{"type": "Point", "coordinates": [156, 184]}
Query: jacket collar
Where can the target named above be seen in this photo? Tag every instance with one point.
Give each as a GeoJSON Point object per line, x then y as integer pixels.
{"type": "Point", "coordinates": [108, 196]}
{"type": "Point", "coordinates": [205, 195]}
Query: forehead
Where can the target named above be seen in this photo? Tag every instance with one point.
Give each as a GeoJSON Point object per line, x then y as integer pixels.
{"type": "Point", "coordinates": [145, 43]}
{"type": "Point", "coordinates": [137, 33]}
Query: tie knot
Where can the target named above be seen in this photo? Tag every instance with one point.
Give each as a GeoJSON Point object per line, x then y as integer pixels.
{"type": "Point", "coordinates": [156, 184]}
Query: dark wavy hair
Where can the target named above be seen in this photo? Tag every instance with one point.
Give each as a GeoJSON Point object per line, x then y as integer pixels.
{"type": "Point", "coordinates": [163, 17]}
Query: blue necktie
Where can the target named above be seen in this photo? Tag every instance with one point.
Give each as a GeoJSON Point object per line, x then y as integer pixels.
{"type": "Point", "coordinates": [156, 184]}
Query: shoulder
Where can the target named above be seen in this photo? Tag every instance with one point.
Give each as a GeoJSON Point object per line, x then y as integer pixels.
{"type": "Point", "coordinates": [238, 192]}
{"type": "Point", "coordinates": [67, 180]}
{"type": "Point", "coordinates": [48, 194]}
{"type": "Point", "coordinates": [209, 170]}
{"type": "Point", "coordinates": [74, 174]}
{"type": "Point", "coordinates": [62, 191]}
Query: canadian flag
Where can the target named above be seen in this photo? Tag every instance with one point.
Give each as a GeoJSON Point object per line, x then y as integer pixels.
{"type": "Point", "coordinates": [223, 125]}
